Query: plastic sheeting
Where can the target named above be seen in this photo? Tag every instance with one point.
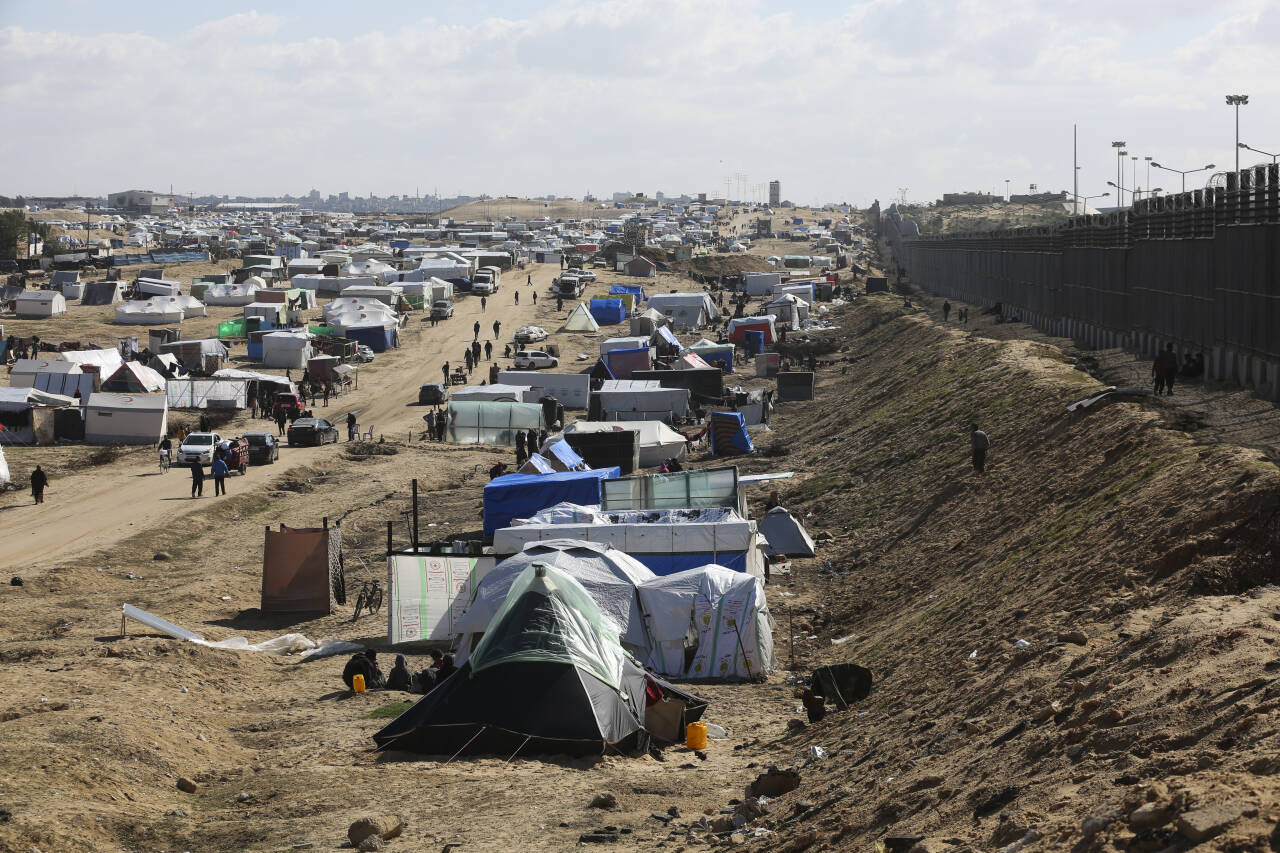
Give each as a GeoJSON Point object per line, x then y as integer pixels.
{"type": "Point", "coordinates": [608, 311]}
{"type": "Point", "coordinates": [726, 612]}
{"type": "Point", "coordinates": [428, 593]}
{"type": "Point", "coordinates": [521, 495]}
{"type": "Point", "coordinates": [285, 644]}
{"type": "Point", "coordinates": [491, 422]}
{"type": "Point", "coordinates": [557, 623]}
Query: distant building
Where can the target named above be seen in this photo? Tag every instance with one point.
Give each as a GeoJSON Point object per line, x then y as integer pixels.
{"type": "Point", "coordinates": [775, 193]}
{"type": "Point", "coordinates": [140, 201]}
{"type": "Point", "coordinates": [1038, 198]}
{"type": "Point", "coordinates": [969, 198]}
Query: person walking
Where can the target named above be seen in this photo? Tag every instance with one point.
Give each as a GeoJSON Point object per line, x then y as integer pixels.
{"type": "Point", "coordinates": [979, 444]}
{"type": "Point", "coordinates": [946, 310]}
{"type": "Point", "coordinates": [197, 480]}
{"type": "Point", "coordinates": [252, 402]}
{"type": "Point", "coordinates": [529, 280]}
{"type": "Point", "coordinates": [517, 297]}
{"type": "Point", "coordinates": [484, 303]}
{"type": "Point", "coordinates": [39, 481]}
{"type": "Point", "coordinates": [467, 360]}
{"type": "Point", "coordinates": [497, 326]}
{"type": "Point", "coordinates": [535, 297]}
{"type": "Point", "coordinates": [328, 389]}
{"type": "Point", "coordinates": [444, 368]}
{"type": "Point", "coordinates": [521, 454]}
{"type": "Point", "coordinates": [475, 352]}
{"type": "Point", "coordinates": [475, 331]}
{"type": "Point", "coordinates": [559, 302]}
{"type": "Point", "coordinates": [281, 418]}
{"type": "Point", "coordinates": [1166, 369]}
{"type": "Point", "coordinates": [351, 426]}
{"type": "Point", "coordinates": [488, 350]}
{"type": "Point", "coordinates": [219, 471]}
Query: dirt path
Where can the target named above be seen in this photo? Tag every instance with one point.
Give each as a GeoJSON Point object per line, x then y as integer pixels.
{"type": "Point", "coordinates": [94, 510]}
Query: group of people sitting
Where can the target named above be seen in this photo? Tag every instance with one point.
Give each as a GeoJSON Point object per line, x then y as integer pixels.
{"type": "Point", "coordinates": [400, 677]}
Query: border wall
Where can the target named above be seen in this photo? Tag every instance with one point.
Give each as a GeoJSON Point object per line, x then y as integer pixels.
{"type": "Point", "coordinates": [1200, 270]}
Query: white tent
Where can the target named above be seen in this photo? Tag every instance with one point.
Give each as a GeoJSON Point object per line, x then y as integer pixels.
{"type": "Point", "coordinates": [152, 312]}
{"type": "Point", "coordinates": [125, 418]}
{"type": "Point", "coordinates": [134, 377]}
{"type": "Point", "coordinates": [785, 533]}
{"type": "Point", "coordinates": [286, 349]}
{"type": "Point", "coordinates": [369, 267]}
{"type": "Point", "coordinates": [25, 371]}
{"type": "Point", "coordinates": [714, 618]}
{"type": "Point", "coordinates": [231, 294]}
{"type": "Point", "coordinates": [159, 287]}
{"type": "Point", "coordinates": [686, 310]}
{"type": "Point", "coordinates": [639, 342]}
{"type": "Point", "coordinates": [609, 575]}
{"type": "Point", "coordinates": [638, 400]}
{"type": "Point", "coordinates": [658, 442]}
{"type": "Point", "coordinates": [4, 469]}
{"type": "Point", "coordinates": [34, 304]}
{"type": "Point", "coordinates": [495, 392]}
{"type": "Point", "coordinates": [191, 307]}
{"type": "Point", "coordinates": [580, 320]}
{"type": "Point", "coordinates": [106, 360]}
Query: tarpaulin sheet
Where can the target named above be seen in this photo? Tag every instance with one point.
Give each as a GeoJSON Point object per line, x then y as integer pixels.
{"type": "Point", "coordinates": [608, 311]}
{"type": "Point", "coordinates": [728, 432]}
{"type": "Point", "coordinates": [298, 569]}
{"type": "Point", "coordinates": [521, 495]}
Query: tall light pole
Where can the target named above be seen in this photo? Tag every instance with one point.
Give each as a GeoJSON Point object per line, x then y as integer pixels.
{"type": "Point", "coordinates": [1184, 172]}
{"type": "Point", "coordinates": [1119, 163]}
{"type": "Point", "coordinates": [1148, 159]}
{"type": "Point", "coordinates": [1133, 183]}
{"type": "Point", "coordinates": [1006, 189]}
{"type": "Point", "coordinates": [1237, 101]}
{"type": "Point", "coordinates": [1274, 157]}
{"type": "Point", "coordinates": [1085, 200]}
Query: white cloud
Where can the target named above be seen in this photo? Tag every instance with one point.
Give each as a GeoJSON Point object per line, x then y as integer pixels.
{"type": "Point", "coordinates": [670, 95]}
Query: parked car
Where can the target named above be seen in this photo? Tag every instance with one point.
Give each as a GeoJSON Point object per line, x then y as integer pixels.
{"type": "Point", "coordinates": [312, 431]}
{"type": "Point", "coordinates": [290, 404]}
{"type": "Point", "coordinates": [197, 449]}
{"type": "Point", "coordinates": [586, 275]}
{"type": "Point", "coordinates": [263, 448]}
{"type": "Point", "coordinates": [432, 394]}
{"type": "Point", "coordinates": [363, 353]}
{"type": "Point", "coordinates": [529, 334]}
{"type": "Point", "coordinates": [441, 309]}
{"type": "Point", "coordinates": [532, 359]}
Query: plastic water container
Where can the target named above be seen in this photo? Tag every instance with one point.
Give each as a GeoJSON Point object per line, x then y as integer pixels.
{"type": "Point", "coordinates": [695, 736]}
{"type": "Point", "coordinates": [357, 683]}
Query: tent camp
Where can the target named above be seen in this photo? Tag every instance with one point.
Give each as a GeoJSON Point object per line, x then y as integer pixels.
{"type": "Point", "coordinates": [125, 418]}
{"type": "Point", "coordinates": [158, 287]}
{"type": "Point", "coordinates": [580, 320]}
{"type": "Point", "coordinates": [637, 400]}
{"type": "Point", "coordinates": [608, 311]}
{"type": "Point", "coordinates": [35, 304]}
{"type": "Point", "coordinates": [230, 294]}
{"type": "Point", "coordinates": [515, 496]}
{"type": "Point", "coordinates": [658, 442]}
{"type": "Point", "coordinates": [708, 622]}
{"type": "Point", "coordinates": [28, 415]}
{"type": "Point", "coordinates": [686, 310]}
{"type": "Point", "coordinates": [716, 354]}
{"type": "Point", "coordinates": [300, 568]}
{"type": "Point", "coordinates": [203, 354]}
{"type": "Point", "coordinates": [785, 533]}
{"type": "Point", "coordinates": [133, 377]}
{"type": "Point", "coordinates": [608, 575]}
{"type": "Point", "coordinates": [647, 322]}
{"type": "Point", "coordinates": [549, 676]}
{"type": "Point", "coordinates": [493, 393]}
{"type": "Point", "coordinates": [739, 326]}
{"type": "Point", "coordinates": [571, 390]}
{"type": "Point", "coordinates": [151, 312]}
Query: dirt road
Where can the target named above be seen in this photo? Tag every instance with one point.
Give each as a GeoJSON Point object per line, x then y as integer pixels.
{"type": "Point", "coordinates": [91, 511]}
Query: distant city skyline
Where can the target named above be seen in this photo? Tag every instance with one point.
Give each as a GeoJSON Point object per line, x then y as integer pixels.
{"type": "Point", "coordinates": [844, 101]}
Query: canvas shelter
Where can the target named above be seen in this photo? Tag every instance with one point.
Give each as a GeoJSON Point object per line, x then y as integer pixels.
{"type": "Point", "coordinates": [636, 291]}
{"type": "Point", "coordinates": [490, 422]}
{"type": "Point", "coordinates": [647, 322]}
{"type": "Point", "coordinates": [26, 372]}
{"type": "Point", "coordinates": [715, 354]}
{"type": "Point", "coordinates": [686, 310]}
{"type": "Point", "coordinates": [202, 354]}
{"type": "Point", "coordinates": [269, 314]}
{"type": "Point", "coordinates": [624, 362]}
{"type": "Point", "coordinates": [515, 496]}
{"type": "Point", "coordinates": [760, 283]}
{"type": "Point", "coordinates": [549, 677]}
{"type": "Point", "coordinates": [609, 576]}
{"type": "Point", "coordinates": [537, 464]}
{"type": "Point", "coordinates": [158, 287]}
{"type": "Point", "coordinates": [133, 377]}
{"type": "Point", "coordinates": [125, 418]}
{"type": "Point", "coordinates": [102, 293]}
{"type": "Point", "coordinates": [580, 320]}
{"type": "Point", "coordinates": [215, 393]}
{"type": "Point", "coordinates": [657, 442]}
{"type": "Point", "coordinates": [708, 623]}
{"type": "Point", "coordinates": [35, 304]}
{"type": "Point", "coordinates": [300, 569]}
{"type": "Point", "coordinates": [785, 533]}
{"type": "Point", "coordinates": [739, 326]}
{"type": "Point", "coordinates": [428, 593]}
{"type": "Point", "coordinates": [637, 400]}
{"type": "Point", "coordinates": [494, 393]}
{"type": "Point", "coordinates": [230, 294]}
{"type": "Point", "coordinates": [27, 415]}
{"type": "Point", "coordinates": [571, 390]}
{"type": "Point", "coordinates": [637, 342]}
{"type": "Point", "coordinates": [789, 309]}
{"type": "Point", "coordinates": [150, 312]}
{"type": "Point", "coordinates": [286, 349]}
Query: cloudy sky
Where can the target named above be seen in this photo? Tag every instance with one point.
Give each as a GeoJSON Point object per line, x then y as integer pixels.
{"type": "Point", "coordinates": [838, 100]}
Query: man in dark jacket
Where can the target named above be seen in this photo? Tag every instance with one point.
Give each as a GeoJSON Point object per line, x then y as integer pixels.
{"type": "Point", "coordinates": [39, 479]}
{"type": "Point", "coordinates": [364, 663]}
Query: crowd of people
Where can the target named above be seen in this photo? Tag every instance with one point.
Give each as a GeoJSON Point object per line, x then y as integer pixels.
{"type": "Point", "coordinates": [401, 677]}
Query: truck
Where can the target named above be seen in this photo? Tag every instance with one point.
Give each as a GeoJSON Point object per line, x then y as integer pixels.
{"type": "Point", "coordinates": [571, 286]}
{"type": "Point", "coordinates": [487, 280]}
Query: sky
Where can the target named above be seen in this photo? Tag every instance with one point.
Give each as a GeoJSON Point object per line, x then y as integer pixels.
{"type": "Point", "coordinates": [840, 101]}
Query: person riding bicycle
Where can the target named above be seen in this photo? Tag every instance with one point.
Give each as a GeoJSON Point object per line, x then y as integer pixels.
{"type": "Point", "coordinates": [166, 450]}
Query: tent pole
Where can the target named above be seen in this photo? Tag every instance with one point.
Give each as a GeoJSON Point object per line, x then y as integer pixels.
{"type": "Point", "coordinates": [415, 515]}
{"type": "Point", "coordinates": [389, 523]}
{"type": "Point", "coordinates": [464, 746]}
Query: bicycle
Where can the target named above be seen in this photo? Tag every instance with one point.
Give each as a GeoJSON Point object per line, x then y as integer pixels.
{"type": "Point", "coordinates": [164, 461]}
{"type": "Point", "coordinates": [369, 599]}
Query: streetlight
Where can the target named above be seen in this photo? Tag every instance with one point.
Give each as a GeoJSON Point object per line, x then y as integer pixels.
{"type": "Point", "coordinates": [1148, 159]}
{"type": "Point", "coordinates": [1006, 190]}
{"type": "Point", "coordinates": [1119, 162]}
{"type": "Point", "coordinates": [1237, 101]}
{"type": "Point", "coordinates": [1120, 192]}
{"type": "Point", "coordinates": [1134, 182]}
{"type": "Point", "coordinates": [1184, 173]}
{"type": "Point", "coordinates": [1274, 157]}
{"type": "Point", "coordinates": [1085, 199]}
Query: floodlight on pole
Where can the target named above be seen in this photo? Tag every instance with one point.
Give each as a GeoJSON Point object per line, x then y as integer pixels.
{"type": "Point", "coordinates": [1119, 163]}
{"type": "Point", "coordinates": [1237, 101]}
{"type": "Point", "coordinates": [1184, 172]}
{"type": "Point", "coordinates": [1274, 157]}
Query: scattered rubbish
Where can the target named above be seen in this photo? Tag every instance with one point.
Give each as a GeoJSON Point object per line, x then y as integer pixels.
{"type": "Point", "coordinates": [1022, 644]}
{"type": "Point", "coordinates": [16, 581]}
{"type": "Point", "coordinates": [224, 598]}
{"type": "Point", "coordinates": [840, 641]}
{"type": "Point", "coordinates": [973, 655]}
{"type": "Point", "coordinates": [285, 644]}
{"type": "Point", "coordinates": [842, 683]}
{"type": "Point", "coordinates": [817, 753]}
{"type": "Point", "coordinates": [717, 732]}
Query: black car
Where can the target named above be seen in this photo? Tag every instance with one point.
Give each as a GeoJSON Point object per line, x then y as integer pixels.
{"type": "Point", "coordinates": [432, 394]}
{"type": "Point", "coordinates": [312, 431]}
{"type": "Point", "coordinates": [263, 448]}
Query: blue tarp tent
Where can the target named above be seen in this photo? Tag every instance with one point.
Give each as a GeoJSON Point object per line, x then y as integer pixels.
{"type": "Point", "coordinates": [755, 342]}
{"type": "Point", "coordinates": [634, 289]}
{"type": "Point", "coordinates": [728, 433]}
{"type": "Point", "coordinates": [522, 495]}
{"type": "Point", "coordinates": [376, 338]}
{"type": "Point", "coordinates": [608, 311]}
{"type": "Point", "coordinates": [562, 453]}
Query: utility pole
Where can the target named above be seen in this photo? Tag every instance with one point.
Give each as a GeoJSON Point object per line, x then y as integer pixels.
{"type": "Point", "coordinates": [1075, 167]}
